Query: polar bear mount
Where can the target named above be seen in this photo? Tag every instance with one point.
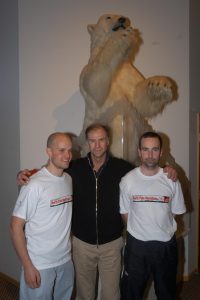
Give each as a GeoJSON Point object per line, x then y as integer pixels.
{"type": "Point", "coordinates": [115, 92]}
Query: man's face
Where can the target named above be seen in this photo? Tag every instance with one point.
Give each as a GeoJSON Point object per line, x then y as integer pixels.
{"type": "Point", "coordinates": [98, 142]}
{"type": "Point", "coordinates": [150, 152]}
{"type": "Point", "coordinates": [60, 152]}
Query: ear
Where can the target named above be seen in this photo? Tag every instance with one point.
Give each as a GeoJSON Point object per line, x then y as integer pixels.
{"type": "Point", "coordinates": [108, 141]}
{"type": "Point", "coordinates": [139, 153]}
{"type": "Point", "coordinates": [48, 152]}
{"type": "Point", "coordinates": [90, 28]}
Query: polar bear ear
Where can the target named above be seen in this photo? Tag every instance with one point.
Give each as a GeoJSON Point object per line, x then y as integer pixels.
{"type": "Point", "coordinates": [90, 28]}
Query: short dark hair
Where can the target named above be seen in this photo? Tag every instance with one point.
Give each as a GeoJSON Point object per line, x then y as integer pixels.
{"type": "Point", "coordinates": [95, 127]}
{"type": "Point", "coordinates": [54, 135]}
{"type": "Point", "coordinates": [150, 134]}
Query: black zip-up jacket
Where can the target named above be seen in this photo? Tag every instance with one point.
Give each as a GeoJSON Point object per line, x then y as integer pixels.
{"type": "Point", "coordinates": [96, 218]}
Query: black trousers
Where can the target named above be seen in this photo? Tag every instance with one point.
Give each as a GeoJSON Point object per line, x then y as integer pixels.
{"type": "Point", "coordinates": [143, 259]}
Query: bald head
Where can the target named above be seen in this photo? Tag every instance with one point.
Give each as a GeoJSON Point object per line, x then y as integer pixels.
{"type": "Point", "coordinates": [54, 136]}
{"type": "Point", "coordinates": [59, 151]}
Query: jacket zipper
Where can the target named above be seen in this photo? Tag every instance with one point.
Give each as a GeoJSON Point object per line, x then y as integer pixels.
{"type": "Point", "coordinates": [96, 204]}
{"type": "Point", "coordinates": [96, 211]}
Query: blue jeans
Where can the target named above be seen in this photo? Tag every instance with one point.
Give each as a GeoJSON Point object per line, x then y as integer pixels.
{"type": "Point", "coordinates": [56, 284]}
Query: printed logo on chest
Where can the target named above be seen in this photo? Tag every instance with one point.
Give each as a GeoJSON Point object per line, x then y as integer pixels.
{"type": "Point", "coordinates": [152, 198]}
{"type": "Point", "coordinates": [60, 201]}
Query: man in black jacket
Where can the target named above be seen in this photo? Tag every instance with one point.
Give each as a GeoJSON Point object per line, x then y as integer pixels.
{"type": "Point", "coordinates": [96, 222]}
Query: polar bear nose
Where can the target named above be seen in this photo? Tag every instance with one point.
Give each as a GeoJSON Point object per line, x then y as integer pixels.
{"type": "Point", "coordinates": [122, 20]}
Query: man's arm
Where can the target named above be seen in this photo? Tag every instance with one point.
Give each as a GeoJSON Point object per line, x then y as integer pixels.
{"type": "Point", "coordinates": [32, 275]}
{"type": "Point", "coordinates": [124, 218]}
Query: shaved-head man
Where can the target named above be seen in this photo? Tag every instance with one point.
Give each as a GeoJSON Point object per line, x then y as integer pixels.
{"type": "Point", "coordinates": [41, 225]}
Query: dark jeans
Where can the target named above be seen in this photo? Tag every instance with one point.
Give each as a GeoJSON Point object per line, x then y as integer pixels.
{"type": "Point", "coordinates": [142, 259]}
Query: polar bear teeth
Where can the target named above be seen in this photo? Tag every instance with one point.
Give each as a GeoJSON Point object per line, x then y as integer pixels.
{"type": "Point", "coordinates": [117, 27]}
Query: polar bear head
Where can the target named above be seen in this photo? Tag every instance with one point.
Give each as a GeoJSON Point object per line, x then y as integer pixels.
{"type": "Point", "coordinates": [106, 26]}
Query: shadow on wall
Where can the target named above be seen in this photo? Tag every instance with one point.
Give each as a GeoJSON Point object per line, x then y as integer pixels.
{"type": "Point", "coordinates": [183, 221]}
{"type": "Point", "coordinates": [167, 158]}
{"type": "Point", "coordinates": [69, 116]}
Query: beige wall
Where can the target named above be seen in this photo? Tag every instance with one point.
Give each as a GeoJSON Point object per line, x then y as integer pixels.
{"type": "Point", "coordinates": [54, 47]}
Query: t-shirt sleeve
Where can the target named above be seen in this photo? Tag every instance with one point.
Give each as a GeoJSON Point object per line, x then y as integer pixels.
{"type": "Point", "coordinates": [178, 203]}
{"type": "Point", "coordinates": [124, 198]}
{"type": "Point", "coordinates": [27, 202]}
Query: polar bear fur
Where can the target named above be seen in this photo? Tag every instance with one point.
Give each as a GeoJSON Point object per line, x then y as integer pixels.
{"type": "Point", "coordinates": [115, 92]}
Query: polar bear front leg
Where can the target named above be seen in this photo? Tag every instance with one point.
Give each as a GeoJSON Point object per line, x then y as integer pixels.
{"type": "Point", "coordinates": [118, 48]}
{"type": "Point", "coordinates": [153, 94]}
{"type": "Point", "coordinates": [97, 76]}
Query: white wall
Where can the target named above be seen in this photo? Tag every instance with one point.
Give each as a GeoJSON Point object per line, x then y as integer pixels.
{"type": "Point", "coordinates": [54, 47]}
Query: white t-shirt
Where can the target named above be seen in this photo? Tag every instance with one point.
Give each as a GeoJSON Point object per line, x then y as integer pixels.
{"type": "Point", "coordinates": [151, 202]}
{"type": "Point", "coordinates": [45, 203]}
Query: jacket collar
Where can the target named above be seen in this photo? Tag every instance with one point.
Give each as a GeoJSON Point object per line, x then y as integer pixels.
{"type": "Point", "coordinates": [102, 167]}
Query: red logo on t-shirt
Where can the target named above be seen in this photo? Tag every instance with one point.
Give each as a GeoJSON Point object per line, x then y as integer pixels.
{"type": "Point", "coordinates": [60, 201]}
{"type": "Point", "coordinates": [152, 198]}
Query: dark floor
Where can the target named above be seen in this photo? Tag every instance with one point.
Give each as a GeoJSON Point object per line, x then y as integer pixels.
{"type": "Point", "coordinates": [8, 290]}
{"type": "Point", "coordinates": [189, 290]}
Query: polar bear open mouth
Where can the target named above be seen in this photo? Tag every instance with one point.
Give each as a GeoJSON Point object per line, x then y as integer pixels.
{"type": "Point", "coordinates": [122, 23]}
{"type": "Point", "coordinates": [119, 26]}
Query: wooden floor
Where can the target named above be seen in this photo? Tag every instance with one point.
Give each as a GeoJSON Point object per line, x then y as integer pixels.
{"type": "Point", "coordinates": [8, 290]}
{"type": "Point", "coordinates": [189, 290]}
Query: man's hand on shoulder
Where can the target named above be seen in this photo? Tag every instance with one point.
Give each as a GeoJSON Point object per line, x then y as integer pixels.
{"type": "Point", "coordinates": [171, 173]}
{"type": "Point", "coordinates": [23, 176]}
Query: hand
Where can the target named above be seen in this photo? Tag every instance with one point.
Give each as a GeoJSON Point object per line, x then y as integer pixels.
{"type": "Point", "coordinates": [23, 176]}
{"type": "Point", "coordinates": [32, 277]}
{"type": "Point", "coordinates": [171, 173]}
